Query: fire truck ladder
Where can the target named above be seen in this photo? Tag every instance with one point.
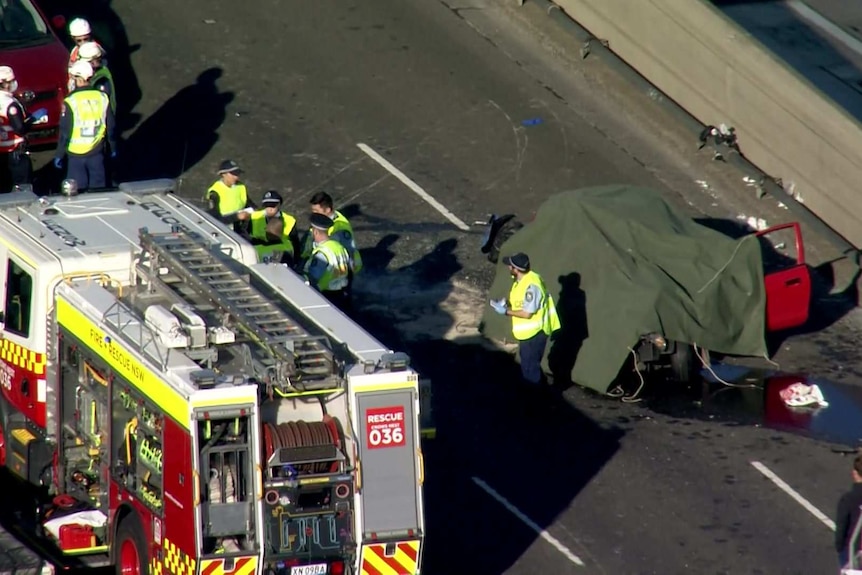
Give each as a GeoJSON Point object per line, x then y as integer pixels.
{"type": "Point", "coordinates": [293, 360]}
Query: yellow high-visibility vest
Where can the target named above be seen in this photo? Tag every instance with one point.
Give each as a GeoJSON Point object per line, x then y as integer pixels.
{"type": "Point", "coordinates": [89, 112]}
{"type": "Point", "coordinates": [545, 319]}
{"type": "Point", "coordinates": [338, 262]}
{"type": "Point", "coordinates": [258, 231]}
{"type": "Point", "coordinates": [230, 198]}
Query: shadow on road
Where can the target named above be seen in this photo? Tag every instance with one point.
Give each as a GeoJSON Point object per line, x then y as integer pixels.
{"type": "Point", "coordinates": [535, 450]}
{"type": "Point", "coordinates": [179, 134]}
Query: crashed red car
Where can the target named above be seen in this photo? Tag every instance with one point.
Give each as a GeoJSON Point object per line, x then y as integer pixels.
{"type": "Point", "coordinates": [30, 46]}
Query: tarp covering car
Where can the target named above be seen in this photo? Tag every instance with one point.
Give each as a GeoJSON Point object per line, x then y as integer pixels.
{"type": "Point", "coordinates": [621, 263]}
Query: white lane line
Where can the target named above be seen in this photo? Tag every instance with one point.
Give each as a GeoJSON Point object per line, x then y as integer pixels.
{"type": "Point", "coordinates": [792, 493]}
{"type": "Point", "coordinates": [806, 13]}
{"type": "Point", "coordinates": [555, 543]}
{"type": "Point", "coordinates": [413, 186]}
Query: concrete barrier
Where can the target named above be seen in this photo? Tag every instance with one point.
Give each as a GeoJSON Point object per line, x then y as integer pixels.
{"type": "Point", "coordinates": [719, 73]}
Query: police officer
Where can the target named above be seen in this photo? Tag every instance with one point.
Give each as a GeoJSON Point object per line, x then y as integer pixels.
{"type": "Point", "coordinates": [227, 196]}
{"type": "Point", "coordinates": [273, 232]}
{"type": "Point", "coordinates": [341, 230]}
{"type": "Point", "coordinates": [847, 515]}
{"type": "Point", "coordinates": [327, 267]}
{"type": "Point", "coordinates": [102, 78]}
{"type": "Point", "coordinates": [86, 124]}
{"type": "Point", "coordinates": [534, 315]}
{"type": "Point", "coordinates": [14, 124]}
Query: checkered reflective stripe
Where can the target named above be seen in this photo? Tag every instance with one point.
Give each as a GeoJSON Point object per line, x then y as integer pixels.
{"type": "Point", "coordinates": [20, 356]}
{"type": "Point", "coordinates": [176, 562]}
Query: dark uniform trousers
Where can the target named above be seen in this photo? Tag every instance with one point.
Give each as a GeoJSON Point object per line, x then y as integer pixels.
{"type": "Point", "coordinates": [87, 170]}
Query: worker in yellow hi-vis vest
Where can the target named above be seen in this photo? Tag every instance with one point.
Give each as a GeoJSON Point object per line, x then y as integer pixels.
{"type": "Point", "coordinates": [327, 267]}
{"type": "Point", "coordinates": [86, 125]}
{"type": "Point", "coordinates": [273, 231]}
{"type": "Point", "coordinates": [228, 196]}
{"type": "Point", "coordinates": [534, 315]}
{"type": "Point", "coordinates": [341, 231]}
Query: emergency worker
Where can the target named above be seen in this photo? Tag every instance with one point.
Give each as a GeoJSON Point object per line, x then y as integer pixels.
{"type": "Point", "coordinates": [847, 515]}
{"type": "Point", "coordinates": [227, 196]}
{"type": "Point", "coordinates": [86, 124]}
{"type": "Point", "coordinates": [14, 125]}
{"type": "Point", "coordinates": [81, 33]}
{"type": "Point", "coordinates": [273, 232]}
{"type": "Point", "coordinates": [341, 231]}
{"type": "Point", "coordinates": [327, 267]}
{"type": "Point", "coordinates": [102, 79]}
{"type": "Point", "coordinates": [534, 315]}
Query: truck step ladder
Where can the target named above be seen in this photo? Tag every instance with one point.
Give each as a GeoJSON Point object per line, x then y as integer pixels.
{"type": "Point", "coordinates": [213, 275]}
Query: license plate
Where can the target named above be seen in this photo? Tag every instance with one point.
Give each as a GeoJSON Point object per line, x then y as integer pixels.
{"type": "Point", "coordinates": [316, 569]}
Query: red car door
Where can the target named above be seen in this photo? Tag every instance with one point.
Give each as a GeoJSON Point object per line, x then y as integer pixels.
{"type": "Point", "coordinates": [787, 278]}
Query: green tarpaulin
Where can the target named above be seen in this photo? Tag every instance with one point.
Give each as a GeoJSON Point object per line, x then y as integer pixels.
{"type": "Point", "coordinates": [621, 262]}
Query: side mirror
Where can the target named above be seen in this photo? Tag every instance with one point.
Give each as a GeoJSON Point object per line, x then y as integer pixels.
{"type": "Point", "coordinates": [58, 22]}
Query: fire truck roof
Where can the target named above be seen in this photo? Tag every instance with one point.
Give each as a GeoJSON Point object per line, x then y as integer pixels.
{"type": "Point", "coordinates": [97, 231]}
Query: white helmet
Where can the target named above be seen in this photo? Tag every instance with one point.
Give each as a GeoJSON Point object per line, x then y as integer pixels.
{"type": "Point", "coordinates": [7, 74]}
{"type": "Point", "coordinates": [89, 51]}
{"type": "Point", "coordinates": [81, 69]}
{"type": "Point", "coordinates": [79, 27]}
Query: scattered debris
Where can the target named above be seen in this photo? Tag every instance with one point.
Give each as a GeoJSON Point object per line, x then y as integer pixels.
{"type": "Point", "coordinates": [532, 122]}
{"type": "Point", "coordinates": [801, 395]}
{"type": "Point", "coordinates": [757, 224]}
{"type": "Point", "coordinates": [208, 21]}
{"type": "Point", "coordinates": [756, 184]}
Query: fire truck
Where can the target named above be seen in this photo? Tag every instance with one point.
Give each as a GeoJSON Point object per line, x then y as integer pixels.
{"type": "Point", "coordinates": [187, 410]}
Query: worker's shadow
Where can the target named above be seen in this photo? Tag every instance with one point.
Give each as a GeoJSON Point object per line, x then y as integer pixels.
{"type": "Point", "coordinates": [378, 257]}
{"type": "Point", "coordinates": [179, 134]}
{"type": "Point", "coordinates": [567, 341]}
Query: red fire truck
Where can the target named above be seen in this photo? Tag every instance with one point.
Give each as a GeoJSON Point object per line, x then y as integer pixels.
{"type": "Point", "coordinates": [189, 411]}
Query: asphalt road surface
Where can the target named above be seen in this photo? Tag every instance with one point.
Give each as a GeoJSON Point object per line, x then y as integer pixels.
{"type": "Point", "coordinates": [485, 107]}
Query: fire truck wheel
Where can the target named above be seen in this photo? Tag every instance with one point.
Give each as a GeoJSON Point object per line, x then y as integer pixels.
{"type": "Point", "coordinates": [130, 547]}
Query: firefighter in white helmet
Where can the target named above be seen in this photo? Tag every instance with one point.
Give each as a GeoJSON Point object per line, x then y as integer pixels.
{"type": "Point", "coordinates": [102, 79]}
{"type": "Point", "coordinates": [14, 125]}
{"type": "Point", "coordinates": [86, 125]}
{"type": "Point", "coordinates": [81, 33]}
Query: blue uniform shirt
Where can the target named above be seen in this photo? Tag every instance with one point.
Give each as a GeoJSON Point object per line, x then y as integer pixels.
{"type": "Point", "coordinates": [532, 299]}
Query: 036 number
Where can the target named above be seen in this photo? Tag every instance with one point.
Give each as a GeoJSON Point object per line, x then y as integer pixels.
{"type": "Point", "coordinates": [386, 436]}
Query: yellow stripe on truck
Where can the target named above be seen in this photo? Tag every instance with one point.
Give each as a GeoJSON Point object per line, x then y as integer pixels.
{"type": "Point", "coordinates": [396, 558]}
{"type": "Point", "coordinates": [137, 374]}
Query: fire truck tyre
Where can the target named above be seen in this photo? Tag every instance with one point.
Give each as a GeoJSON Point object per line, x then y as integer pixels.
{"type": "Point", "coordinates": [684, 364]}
{"type": "Point", "coordinates": [130, 548]}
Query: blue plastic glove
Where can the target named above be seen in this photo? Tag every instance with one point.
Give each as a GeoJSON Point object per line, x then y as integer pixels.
{"type": "Point", "coordinates": [113, 154]}
{"type": "Point", "coordinates": [39, 115]}
{"type": "Point", "coordinates": [499, 306]}
{"type": "Point", "coordinates": [58, 163]}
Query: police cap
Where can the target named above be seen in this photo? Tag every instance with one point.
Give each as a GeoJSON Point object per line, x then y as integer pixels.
{"type": "Point", "coordinates": [271, 198]}
{"type": "Point", "coordinates": [320, 222]}
{"type": "Point", "coordinates": [229, 167]}
{"type": "Point", "coordinates": [520, 261]}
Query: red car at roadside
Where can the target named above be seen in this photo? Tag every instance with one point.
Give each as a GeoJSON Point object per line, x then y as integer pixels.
{"type": "Point", "coordinates": [30, 45]}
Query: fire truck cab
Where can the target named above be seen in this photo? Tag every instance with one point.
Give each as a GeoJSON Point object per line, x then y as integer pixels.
{"type": "Point", "coordinates": [188, 411]}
